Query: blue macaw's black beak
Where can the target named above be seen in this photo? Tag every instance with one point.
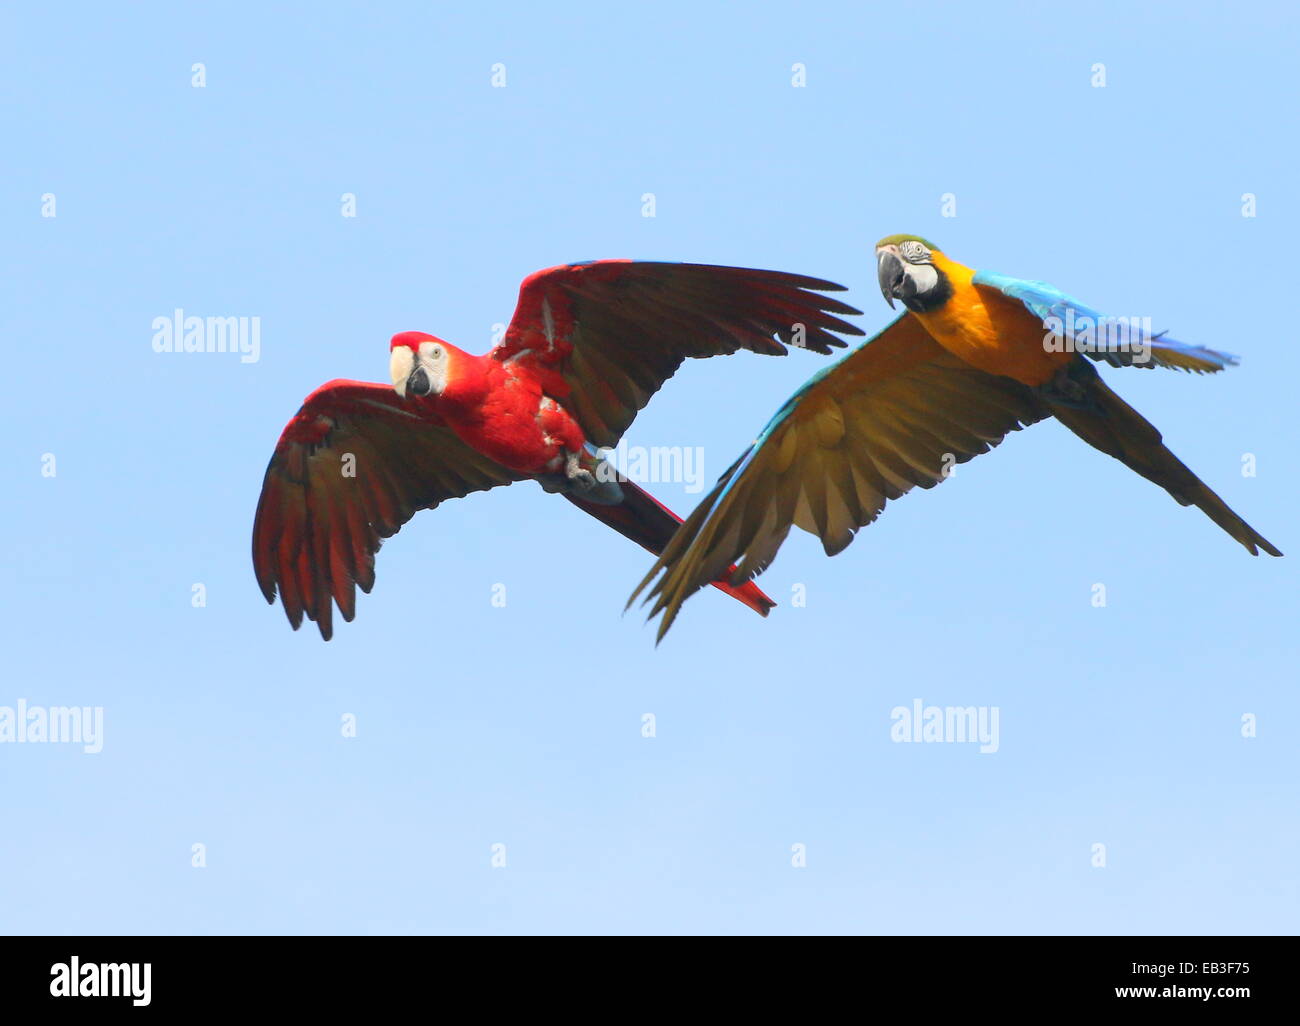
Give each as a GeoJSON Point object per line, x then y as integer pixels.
{"type": "Point", "coordinates": [418, 382]}
{"type": "Point", "coordinates": [894, 283]}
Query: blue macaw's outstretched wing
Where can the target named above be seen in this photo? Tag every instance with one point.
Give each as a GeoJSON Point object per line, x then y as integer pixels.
{"type": "Point", "coordinates": [1118, 341]}
{"type": "Point", "coordinates": [896, 413]}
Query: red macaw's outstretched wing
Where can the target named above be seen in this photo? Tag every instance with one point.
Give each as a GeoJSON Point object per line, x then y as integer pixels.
{"type": "Point", "coordinates": [897, 412]}
{"type": "Point", "coordinates": [604, 336]}
{"type": "Point", "coordinates": [350, 469]}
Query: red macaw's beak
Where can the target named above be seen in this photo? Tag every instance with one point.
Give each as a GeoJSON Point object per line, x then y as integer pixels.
{"type": "Point", "coordinates": [403, 363]}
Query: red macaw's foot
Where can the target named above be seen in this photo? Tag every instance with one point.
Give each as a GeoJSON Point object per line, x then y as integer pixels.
{"type": "Point", "coordinates": [592, 478]}
{"type": "Point", "coordinates": [584, 476]}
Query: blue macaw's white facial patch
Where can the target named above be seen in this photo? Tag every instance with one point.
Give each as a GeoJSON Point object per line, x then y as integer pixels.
{"type": "Point", "coordinates": [923, 276]}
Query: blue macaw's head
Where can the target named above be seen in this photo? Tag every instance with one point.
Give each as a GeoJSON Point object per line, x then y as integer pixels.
{"type": "Point", "coordinates": [906, 271]}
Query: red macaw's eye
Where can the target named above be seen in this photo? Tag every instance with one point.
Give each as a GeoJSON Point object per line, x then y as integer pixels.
{"type": "Point", "coordinates": [412, 339]}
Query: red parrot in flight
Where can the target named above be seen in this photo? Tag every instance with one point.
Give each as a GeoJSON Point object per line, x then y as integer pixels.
{"type": "Point", "coordinates": [588, 345]}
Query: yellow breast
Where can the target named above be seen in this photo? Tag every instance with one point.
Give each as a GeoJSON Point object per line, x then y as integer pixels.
{"type": "Point", "coordinates": [991, 331]}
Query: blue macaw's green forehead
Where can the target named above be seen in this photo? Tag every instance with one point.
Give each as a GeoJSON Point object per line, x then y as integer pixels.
{"type": "Point", "coordinates": [894, 240]}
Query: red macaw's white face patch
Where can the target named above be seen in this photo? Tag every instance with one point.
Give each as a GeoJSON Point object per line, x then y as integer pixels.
{"type": "Point", "coordinates": [423, 370]}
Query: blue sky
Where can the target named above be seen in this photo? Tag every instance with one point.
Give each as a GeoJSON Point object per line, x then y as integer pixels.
{"type": "Point", "coordinates": [520, 725]}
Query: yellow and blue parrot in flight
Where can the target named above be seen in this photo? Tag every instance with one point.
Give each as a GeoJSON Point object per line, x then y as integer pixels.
{"type": "Point", "coordinates": [970, 360]}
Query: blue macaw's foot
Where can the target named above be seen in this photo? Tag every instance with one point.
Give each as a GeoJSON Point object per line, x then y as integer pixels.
{"type": "Point", "coordinates": [1070, 386]}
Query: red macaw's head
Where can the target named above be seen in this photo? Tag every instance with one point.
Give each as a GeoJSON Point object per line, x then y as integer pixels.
{"type": "Point", "coordinates": [421, 364]}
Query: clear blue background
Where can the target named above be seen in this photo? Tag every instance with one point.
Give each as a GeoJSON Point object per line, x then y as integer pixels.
{"type": "Point", "coordinates": [521, 725]}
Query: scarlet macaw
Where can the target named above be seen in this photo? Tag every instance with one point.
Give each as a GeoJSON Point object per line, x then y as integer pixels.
{"type": "Point", "coordinates": [588, 345]}
{"type": "Point", "coordinates": [968, 362]}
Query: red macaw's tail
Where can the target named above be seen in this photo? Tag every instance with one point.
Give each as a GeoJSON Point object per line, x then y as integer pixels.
{"type": "Point", "coordinates": [1108, 423]}
{"type": "Point", "coordinates": [649, 523]}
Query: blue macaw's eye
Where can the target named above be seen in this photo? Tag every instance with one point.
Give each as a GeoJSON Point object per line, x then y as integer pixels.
{"type": "Point", "coordinates": [914, 252]}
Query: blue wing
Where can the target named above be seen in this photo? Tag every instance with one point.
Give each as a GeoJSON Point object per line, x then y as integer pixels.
{"type": "Point", "coordinates": [1118, 341]}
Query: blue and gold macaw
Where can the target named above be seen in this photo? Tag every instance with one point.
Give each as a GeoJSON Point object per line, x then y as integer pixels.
{"type": "Point", "coordinates": [975, 356]}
